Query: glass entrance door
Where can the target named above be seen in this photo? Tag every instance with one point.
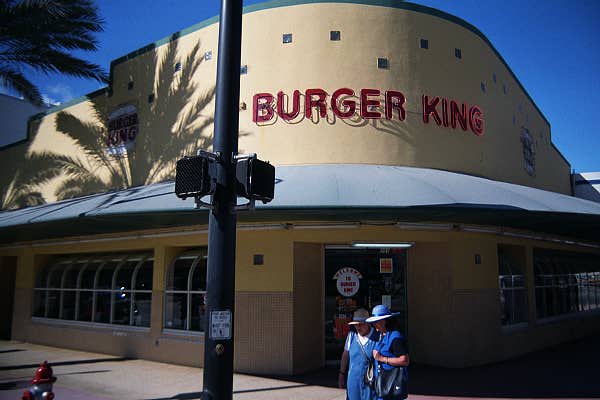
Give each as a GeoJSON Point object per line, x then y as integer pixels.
{"type": "Point", "coordinates": [357, 278]}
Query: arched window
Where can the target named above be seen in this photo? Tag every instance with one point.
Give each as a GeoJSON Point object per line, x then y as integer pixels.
{"type": "Point", "coordinates": [511, 281]}
{"type": "Point", "coordinates": [566, 282]}
{"type": "Point", "coordinates": [104, 288]}
{"type": "Point", "coordinates": [185, 292]}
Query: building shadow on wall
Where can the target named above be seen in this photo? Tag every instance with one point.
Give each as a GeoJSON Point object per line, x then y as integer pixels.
{"type": "Point", "coordinates": [565, 371]}
{"type": "Point", "coordinates": [178, 121]}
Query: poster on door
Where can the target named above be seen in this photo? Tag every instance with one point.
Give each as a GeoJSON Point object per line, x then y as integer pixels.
{"type": "Point", "coordinates": [386, 266]}
{"type": "Point", "coordinates": [348, 281]}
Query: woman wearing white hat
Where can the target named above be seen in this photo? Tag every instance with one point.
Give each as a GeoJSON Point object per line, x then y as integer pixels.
{"type": "Point", "coordinates": [391, 350]}
{"type": "Point", "coordinates": [358, 353]}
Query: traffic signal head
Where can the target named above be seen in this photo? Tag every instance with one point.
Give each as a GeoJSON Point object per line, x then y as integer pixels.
{"type": "Point", "coordinates": [192, 177]}
{"type": "Point", "coordinates": [255, 179]}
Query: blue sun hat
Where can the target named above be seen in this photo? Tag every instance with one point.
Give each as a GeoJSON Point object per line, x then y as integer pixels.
{"type": "Point", "coordinates": [380, 312]}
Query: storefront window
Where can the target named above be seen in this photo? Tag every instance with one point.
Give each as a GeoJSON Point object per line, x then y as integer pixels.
{"type": "Point", "coordinates": [511, 281]}
{"type": "Point", "coordinates": [86, 290]}
{"type": "Point", "coordinates": [142, 295]}
{"type": "Point", "coordinates": [99, 288]}
{"type": "Point", "coordinates": [102, 297]}
{"type": "Point", "coordinates": [565, 283]}
{"type": "Point", "coordinates": [185, 292]}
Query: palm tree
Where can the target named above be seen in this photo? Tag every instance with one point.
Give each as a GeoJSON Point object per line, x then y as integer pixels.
{"type": "Point", "coordinates": [39, 34]}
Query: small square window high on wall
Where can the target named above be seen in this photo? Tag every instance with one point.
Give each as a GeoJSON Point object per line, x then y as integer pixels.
{"type": "Point", "coordinates": [424, 43]}
{"type": "Point", "coordinates": [383, 63]}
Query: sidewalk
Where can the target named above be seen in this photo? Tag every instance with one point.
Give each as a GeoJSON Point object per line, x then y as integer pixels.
{"type": "Point", "coordinates": [94, 376]}
{"type": "Point", "coordinates": [568, 371]}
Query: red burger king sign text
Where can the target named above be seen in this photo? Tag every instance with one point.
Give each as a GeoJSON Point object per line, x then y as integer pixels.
{"type": "Point", "coordinates": [368, 104]}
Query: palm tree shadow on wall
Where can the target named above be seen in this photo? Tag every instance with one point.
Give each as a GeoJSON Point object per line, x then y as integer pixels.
{"type": "Point", "coordinates": [179, 122]}
{"type": "Point", "coordinates": [19, 186]}
{"type": "Point", "coordinates": [24, 172]}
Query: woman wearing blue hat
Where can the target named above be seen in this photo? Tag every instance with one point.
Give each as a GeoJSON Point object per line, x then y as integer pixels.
{"type": "Point", "coordinates": [391, 350]}
{"type": "Point", "coordinates": [357, 355]}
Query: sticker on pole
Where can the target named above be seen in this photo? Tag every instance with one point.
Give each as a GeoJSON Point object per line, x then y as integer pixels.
{"type": "Point", "coordinates": [220, 325]}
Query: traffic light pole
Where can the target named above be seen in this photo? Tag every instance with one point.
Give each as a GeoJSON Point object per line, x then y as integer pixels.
{"type": "Point", "coordinates": [220, 284]}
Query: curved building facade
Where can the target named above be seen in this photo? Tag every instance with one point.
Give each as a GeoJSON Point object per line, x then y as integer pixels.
{"type": "Point", "coordinates": [412, 169]}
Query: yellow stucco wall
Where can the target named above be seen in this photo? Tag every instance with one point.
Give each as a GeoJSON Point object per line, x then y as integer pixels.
{"type": "Point", "coordinates": [313, 61]}
{"type": "Point", "coordinates": [453, 303]}
{"type": "Point", "coordinates": [179, 119]}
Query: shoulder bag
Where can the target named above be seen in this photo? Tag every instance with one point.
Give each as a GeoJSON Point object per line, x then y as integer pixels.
{"type": "Point", "coordinates": [369, 377]}
{"type": "Point", "coordinates": [391, 383]}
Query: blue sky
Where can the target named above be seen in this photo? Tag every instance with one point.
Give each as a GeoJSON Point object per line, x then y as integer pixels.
{"type": "Point", "coordinates": [552, 46]}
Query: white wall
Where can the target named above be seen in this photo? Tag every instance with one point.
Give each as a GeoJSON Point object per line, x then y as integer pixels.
{"type": "Point", "coordinates": [587, 185]}
{"type": "Point", "coordinates": [14, 114]}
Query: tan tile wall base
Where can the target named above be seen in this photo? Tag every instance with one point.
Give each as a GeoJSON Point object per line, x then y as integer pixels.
{"type": "Point", "coordinates": [263, 333]}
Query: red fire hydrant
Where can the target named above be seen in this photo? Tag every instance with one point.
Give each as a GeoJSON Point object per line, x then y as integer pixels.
{"type": "Point", "coordinates": [41, 388]}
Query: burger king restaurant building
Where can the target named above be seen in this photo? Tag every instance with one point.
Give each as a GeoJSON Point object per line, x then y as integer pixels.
{"type": "Point", "coordinates": [412, 169]}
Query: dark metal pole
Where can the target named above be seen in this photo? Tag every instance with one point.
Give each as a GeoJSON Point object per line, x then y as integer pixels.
{"type": "Point", "coordinates": [220, 285]}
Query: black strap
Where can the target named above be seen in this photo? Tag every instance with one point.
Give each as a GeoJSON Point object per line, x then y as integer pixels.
{"type": "Point", "coordinates": [362, 348]}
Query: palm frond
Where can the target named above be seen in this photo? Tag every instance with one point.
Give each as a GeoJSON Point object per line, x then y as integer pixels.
{"type": "Point", "coordinates": [12, 79]}
{"type": "Point", "coordinates": [59, 23]}
{"type": "Point", "coordinates": [40, 34]}
{"type": "Point", "coordinates": [48, 60]}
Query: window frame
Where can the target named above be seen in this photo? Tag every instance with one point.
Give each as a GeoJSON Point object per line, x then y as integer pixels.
{"type": "Point", "coordinates": [565, 284]}
{"type": "Point", "coordinates": [511, 270]}
{"type": "Point", "coordinates": [65, 265]}
{"type": "Point", "coordinates": [198, 255]}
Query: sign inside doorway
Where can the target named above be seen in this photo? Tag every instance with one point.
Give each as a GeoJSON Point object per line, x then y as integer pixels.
{"type": "Point", "coordinates": [347, 281]}
{"type": "Point", "coordinates": [386, 266]}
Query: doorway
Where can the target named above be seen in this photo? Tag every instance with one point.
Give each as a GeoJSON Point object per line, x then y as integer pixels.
{"type": "Point", "coordinates": [357, 278]}
{"type": "Point", "coordinates": [8, 273]}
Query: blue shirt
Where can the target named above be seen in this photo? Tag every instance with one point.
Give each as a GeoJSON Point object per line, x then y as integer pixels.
{"type": "Point", "coordinates": [384, 347]}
